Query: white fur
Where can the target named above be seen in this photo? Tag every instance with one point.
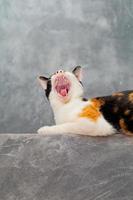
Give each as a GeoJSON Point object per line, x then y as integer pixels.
{"type": "Point", "coordinates": [66, 113]}
{"type": "Point", "coordinates": [81, 127]}
{"type": "Point", "coordinates": [69, 112]}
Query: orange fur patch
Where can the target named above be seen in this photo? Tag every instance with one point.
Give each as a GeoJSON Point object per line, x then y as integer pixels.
{"type": "Point", "coordinates": [124, 128]}
{"type": "Point", "coordinates": [92, 111]}
{"type": "Point", "coordinates": [131, 97]}
{"type": "Point", "coordinates": [122, 124]}
{"type": "Point", "coordinates": [97, 102]}
{"type": "Point", "coordinates": [119, 94]}
{"type": "Point", "coordinates": [127, 112]}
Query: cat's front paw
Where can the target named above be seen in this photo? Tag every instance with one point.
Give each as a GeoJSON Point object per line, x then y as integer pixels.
{"type": "Point", "coordinates": [44, 130]}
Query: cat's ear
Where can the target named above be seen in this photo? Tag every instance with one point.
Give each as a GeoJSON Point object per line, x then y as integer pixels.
{"type": "Point", "coordinates": [78, 72]}
{"type": "Point", "coordinates": [43, 81]}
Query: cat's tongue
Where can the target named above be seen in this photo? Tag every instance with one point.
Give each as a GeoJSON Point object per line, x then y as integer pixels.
{"type": "Point", "coordinates": [62, 85]}
{"type": "Point", "coordinates": [63, 92]}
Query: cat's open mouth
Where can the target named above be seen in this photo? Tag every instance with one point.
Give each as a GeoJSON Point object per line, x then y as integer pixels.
{"type": "Point", "coordinates": [62, 85]}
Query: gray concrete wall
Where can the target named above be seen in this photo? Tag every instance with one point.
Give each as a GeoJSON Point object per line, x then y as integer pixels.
{"type": "Point", "coordinates": [38, 36]}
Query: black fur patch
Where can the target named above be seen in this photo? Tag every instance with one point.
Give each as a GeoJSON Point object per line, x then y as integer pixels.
{"type": "Point", "coordinates": [119, 108]}
{"type": "Point", "coordinates": [76, 69]}
{"type": "Point", "coordinates": [84, 99]}
{"type": "Point", "coordinates": [81, 83]}
{"type": "Point", "coordinates": [49, 87]}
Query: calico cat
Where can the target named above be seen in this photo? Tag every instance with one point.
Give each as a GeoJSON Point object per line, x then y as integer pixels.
{"type": "Point", "coordinates": [100, 116]}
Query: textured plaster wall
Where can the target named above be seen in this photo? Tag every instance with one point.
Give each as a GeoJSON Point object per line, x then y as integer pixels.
{"type": "Point", "coordinates": [39, 36]}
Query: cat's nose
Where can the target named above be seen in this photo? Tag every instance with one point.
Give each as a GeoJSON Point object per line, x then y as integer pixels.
{"type": "Point", "coordinates": [59, 71]}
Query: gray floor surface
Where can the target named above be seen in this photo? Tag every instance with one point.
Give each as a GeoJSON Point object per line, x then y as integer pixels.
{"type": "Point", "coordinates": [34, 167]}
